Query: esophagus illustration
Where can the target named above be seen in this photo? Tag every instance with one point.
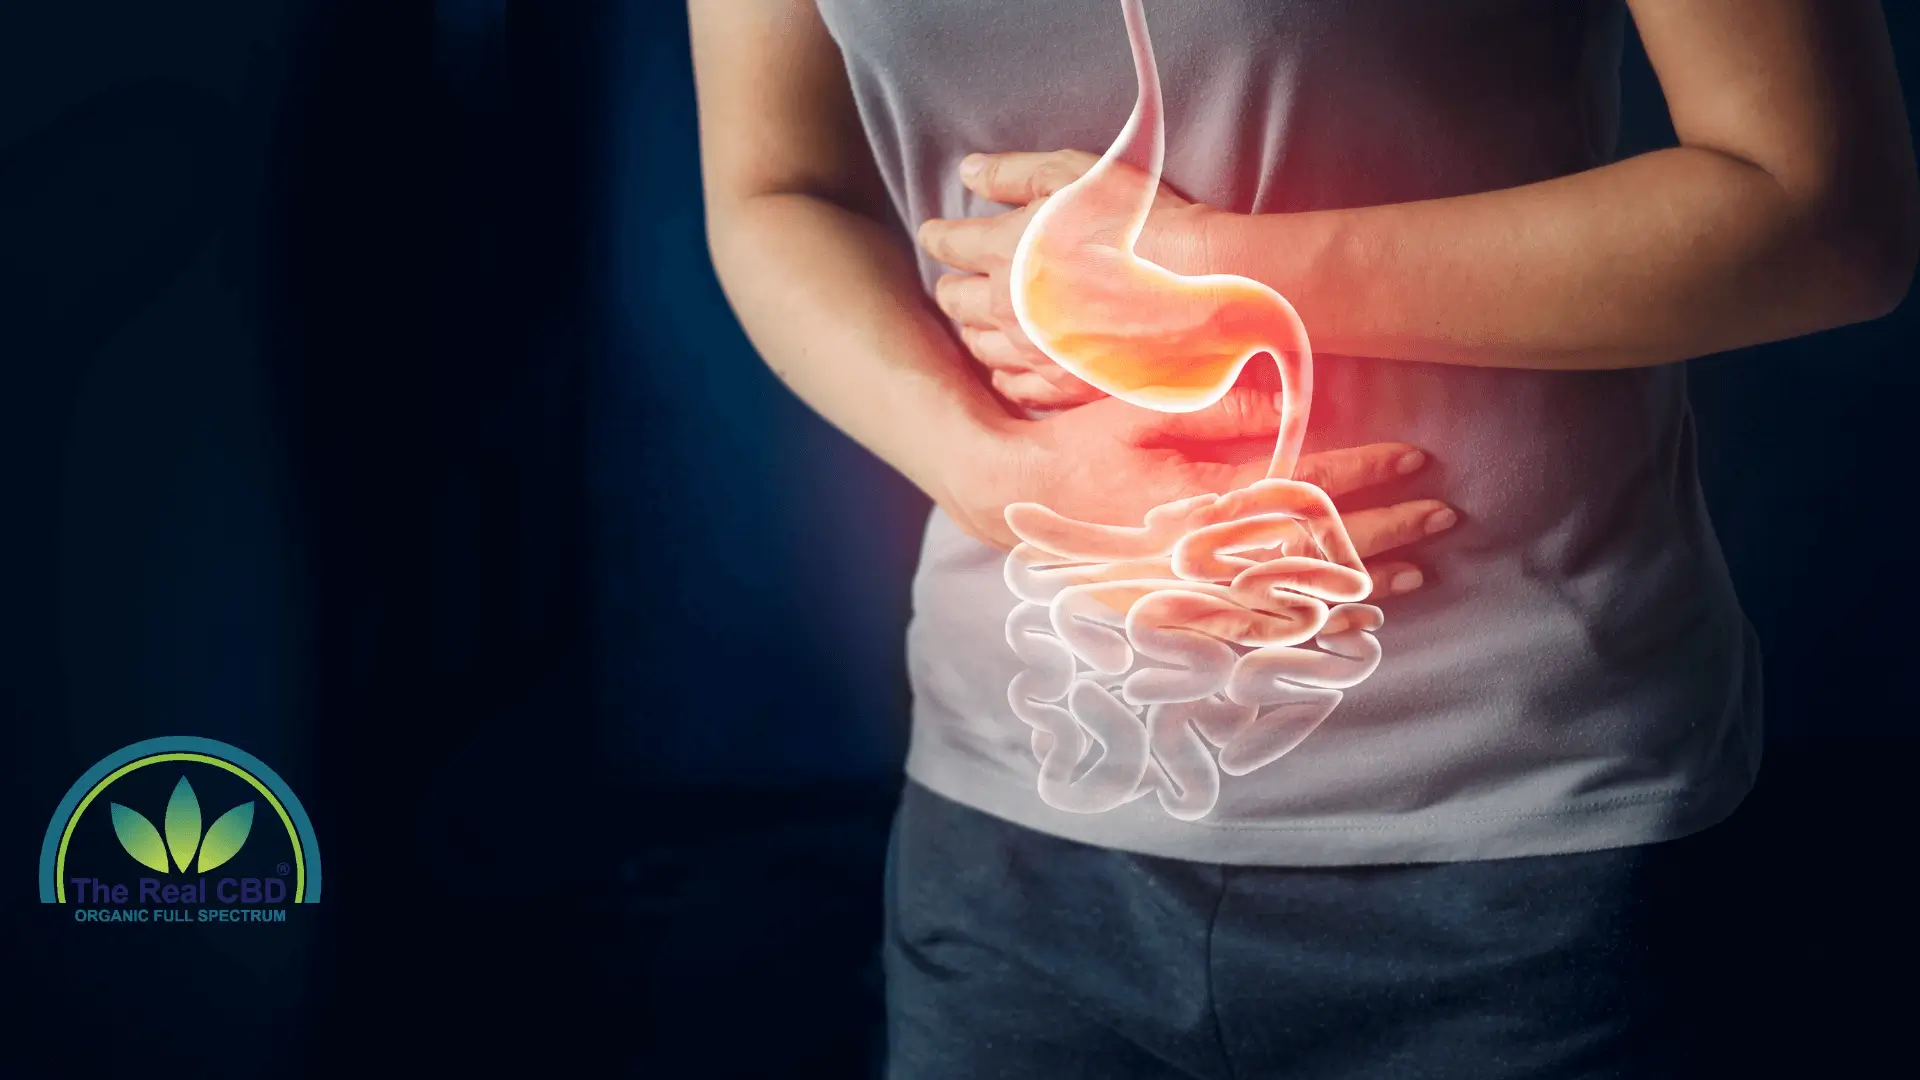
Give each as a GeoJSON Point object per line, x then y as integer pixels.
{"type": "Point", "coordinates": [1160, 656]}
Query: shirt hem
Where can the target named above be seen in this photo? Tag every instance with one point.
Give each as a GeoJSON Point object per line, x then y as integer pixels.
{"type": "Point", "coordinates": [1622, 821]}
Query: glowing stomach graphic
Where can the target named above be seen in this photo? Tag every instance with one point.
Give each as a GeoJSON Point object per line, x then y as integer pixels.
{"type": "Point", "coordinates": [1134, 330]}
{"type": "Point", "coordinates": [1145, 647]}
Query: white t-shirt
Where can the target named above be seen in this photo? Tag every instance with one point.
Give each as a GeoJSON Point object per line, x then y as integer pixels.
{"type": "Point", "coordinates": [1577, 673]}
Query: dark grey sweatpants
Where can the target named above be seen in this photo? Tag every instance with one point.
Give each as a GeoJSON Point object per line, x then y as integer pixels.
{"type": "Point", "coordinates": [1013, 954]}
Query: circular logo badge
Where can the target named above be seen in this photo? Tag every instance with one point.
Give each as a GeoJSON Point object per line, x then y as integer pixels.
{"type": "Point", "coordinates": [180, 829]}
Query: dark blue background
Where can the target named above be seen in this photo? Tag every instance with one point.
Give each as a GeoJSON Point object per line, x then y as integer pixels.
{"type": "Point", "coordinates": [367, 401]}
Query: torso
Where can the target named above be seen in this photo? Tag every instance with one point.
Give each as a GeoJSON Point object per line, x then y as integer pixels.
{"type": "Point", "coordinates": [1578, 673]}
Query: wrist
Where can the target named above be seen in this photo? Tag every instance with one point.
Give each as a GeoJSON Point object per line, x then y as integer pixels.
{"type": "Point", "coordinates": [985, 462]}
{"type": "Point", "coordinates": [1184, 239]}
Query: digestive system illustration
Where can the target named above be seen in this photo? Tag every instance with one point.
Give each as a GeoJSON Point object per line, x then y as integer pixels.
{"type": "Point", "coordinates": [1159, 657]}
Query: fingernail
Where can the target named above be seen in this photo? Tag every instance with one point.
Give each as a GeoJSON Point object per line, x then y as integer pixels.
{"type": "Point", "coordinates": [970, 166]}
{"type": "Point", "coordinates": [1410, 461]}
{"type": "Point", "coordinates": [1280, 401]}
{"type": "Point", "coordinates": [1405, 581]}
{"type": "Point", "coordinates": [1440, 521]}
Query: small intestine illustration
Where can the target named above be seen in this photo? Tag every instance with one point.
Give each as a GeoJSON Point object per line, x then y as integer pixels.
{"type": "Point", "coordinates": [1159, 657]}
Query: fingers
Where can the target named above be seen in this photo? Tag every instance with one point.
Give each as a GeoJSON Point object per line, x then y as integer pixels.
{"type": "Point", "coordinates": [1373, 530]}
{"type": "Point", "coordinates": [1221, 477]}
{"type": "Point", "coordinates": [1004, 356]}
{"type": "Point", "coordinates": [955, 243]}
{"type": "Point", "coordinates": [1033, 390]}
{"type": "Point", "coordinates": [996, 350]}
{"type": "Point", "coordinates": [1389, 527]}
{"type": "Point", "coordinates": [1393, 579]}
{"type": "Point", "coordinates": [1244, 413]}
{"type": "Point", "coordinates": [1023, 180]}
{"type": "Point", "coordinates": [979, 245]}
{"type": "Point", "coordinates": [1018, 179]}
{"type": "Point", "coordinates": [967, 299]}
{"type": "Point", "coordinates": [1389, 579]}
{"type": "Point", "coordinates": [1022, 373]}
{"type": "Point", "coordinates": [1339, 472]}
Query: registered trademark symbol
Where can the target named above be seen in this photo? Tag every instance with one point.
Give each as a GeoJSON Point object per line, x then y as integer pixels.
{"type": "Point", "coordinates": [281, 869]}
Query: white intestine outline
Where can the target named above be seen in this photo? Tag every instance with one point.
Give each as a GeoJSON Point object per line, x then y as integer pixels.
{"type": "Point", "coordinates": [1145, 646]}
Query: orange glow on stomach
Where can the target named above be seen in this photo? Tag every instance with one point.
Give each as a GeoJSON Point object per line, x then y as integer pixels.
{"type": "Point", "coordinates": [1148, 646]}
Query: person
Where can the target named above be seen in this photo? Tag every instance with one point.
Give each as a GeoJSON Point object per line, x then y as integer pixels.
{"type": "Point", "coordinates": [1464, 871]}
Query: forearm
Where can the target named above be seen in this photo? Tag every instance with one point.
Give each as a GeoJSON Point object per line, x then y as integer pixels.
{"type": "Point", "coordinates": [833, 304]}
{"type": "Point", "coordinates": [1658, 258]}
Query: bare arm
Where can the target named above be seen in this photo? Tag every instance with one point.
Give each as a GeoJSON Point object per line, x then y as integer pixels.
{"type": "Point", "coordinates": [1789, 207]}
{"type": "Point", "coordinates": [795, 213]}
{"type": "Point", "coordinates": [796, 224]}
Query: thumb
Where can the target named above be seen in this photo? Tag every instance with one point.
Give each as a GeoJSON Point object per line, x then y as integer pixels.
{"type": "Point", "coordinates": [1018, 179]}
{"type": "Point", "coordinates": [1244, 413]}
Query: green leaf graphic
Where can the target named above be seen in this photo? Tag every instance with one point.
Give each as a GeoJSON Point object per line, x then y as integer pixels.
{"type": "Point", "coordinates": [226, 835]}
{"type": "Point", "coordinates": [183, 824]}
{"type": "Point", "coordinates": [139, 837]}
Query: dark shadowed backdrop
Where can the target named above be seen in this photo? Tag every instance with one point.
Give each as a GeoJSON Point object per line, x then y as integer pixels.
{"type": "Point", "coordinates": [367, 401]}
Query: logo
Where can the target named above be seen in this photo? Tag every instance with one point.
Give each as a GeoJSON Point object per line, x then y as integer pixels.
{"type": "Point", "coordinates": [131, 843]}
